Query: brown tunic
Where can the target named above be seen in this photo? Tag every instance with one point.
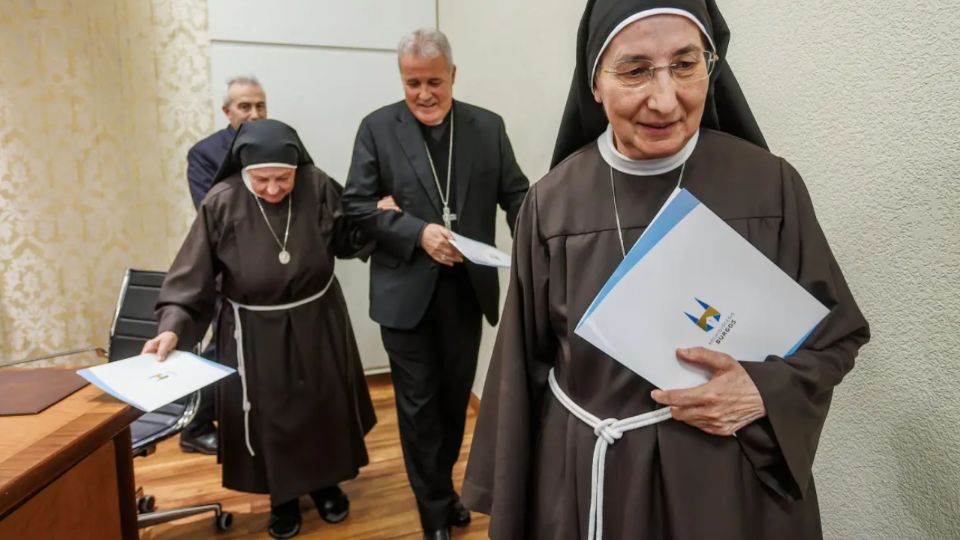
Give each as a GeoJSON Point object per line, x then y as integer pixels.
{"type": "Point", "coordinates": [310, 403]}
{"type": "Point", "coordinates": [530, 464]}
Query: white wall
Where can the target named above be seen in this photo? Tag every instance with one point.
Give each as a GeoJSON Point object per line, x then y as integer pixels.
{"type": "Point", "coordinates": [860, 97]}
{"type": "Point", "coordinates": [864, 99]}
{"type": "Point", "coordinates": [324, 64]}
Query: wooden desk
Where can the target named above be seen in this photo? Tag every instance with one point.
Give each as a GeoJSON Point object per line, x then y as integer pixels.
{"type": "Point", "coordinates": [68, 472]}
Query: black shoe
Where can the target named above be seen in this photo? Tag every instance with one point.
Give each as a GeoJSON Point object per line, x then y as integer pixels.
{"type": "Point", "coordinates": [205, 444]}
{"type": "Point", "coordinates": [332, 504]}
{"type": "Point", "coordinates": [439, 534]}
{"type": "Point", "coordinates": [459, 516]}
{"type": "Point", "coordinates": [285, 520]}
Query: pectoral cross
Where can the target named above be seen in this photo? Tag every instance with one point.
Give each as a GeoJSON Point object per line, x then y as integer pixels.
{"type": "Point", "coordinates": [448, 218]}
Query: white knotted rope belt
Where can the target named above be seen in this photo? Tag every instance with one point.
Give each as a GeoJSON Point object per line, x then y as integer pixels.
{"type": "Point", "coordinates": [238, 337]}
{"type": "Point", "coordinates": [608, 431]}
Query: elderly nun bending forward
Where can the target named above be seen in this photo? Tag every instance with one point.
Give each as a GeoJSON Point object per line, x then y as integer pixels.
{"type": "Point", "coordinates": [653, 106]}
{"type": "Point", "coordinates": [293, 422]}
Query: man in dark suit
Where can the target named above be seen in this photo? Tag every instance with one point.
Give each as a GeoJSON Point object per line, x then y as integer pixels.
{"type": "Point", "coordinates": [446, 165]}
{"type": "Point", "coordinates": [244, 100]}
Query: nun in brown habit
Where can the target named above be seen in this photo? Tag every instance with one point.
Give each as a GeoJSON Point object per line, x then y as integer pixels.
{"type": "Point", "coordinates": [653, 105]}
{"type": "Point", "coordinates": [292, 421]}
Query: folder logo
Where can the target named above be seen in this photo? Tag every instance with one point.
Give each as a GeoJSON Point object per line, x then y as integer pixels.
{"type": "Point", "coordinates": [703, 321]}
{"type": "Point", "coordinates": [160, 376]}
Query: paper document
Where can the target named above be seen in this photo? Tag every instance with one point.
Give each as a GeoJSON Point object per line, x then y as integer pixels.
{"type": "Point", "coordinates": [691, 280]}
{"type": "Point", "coordinates": [480, 253]}
{"type": "Point", "coordinates": [148, 384]}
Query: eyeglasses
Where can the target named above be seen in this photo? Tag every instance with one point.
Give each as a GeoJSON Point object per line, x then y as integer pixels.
{"type": "Point", "coordinates": [685, 69]}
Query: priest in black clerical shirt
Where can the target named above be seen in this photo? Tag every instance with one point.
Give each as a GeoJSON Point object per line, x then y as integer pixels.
{"type": "Point", "coordinates": [443, 167]}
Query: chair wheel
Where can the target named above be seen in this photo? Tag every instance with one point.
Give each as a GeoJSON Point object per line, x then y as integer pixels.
{"type": "Point", "coordinates": [224, 521]}
{"type": "Point", "coordinates": [146, 504]}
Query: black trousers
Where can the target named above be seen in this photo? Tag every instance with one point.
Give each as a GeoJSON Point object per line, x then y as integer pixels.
{"type": "Point", "coordinates": [433, 366]}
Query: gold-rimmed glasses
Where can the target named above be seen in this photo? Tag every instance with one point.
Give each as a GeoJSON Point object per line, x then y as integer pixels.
{"type": "Point", "coordinates": [684, 69]}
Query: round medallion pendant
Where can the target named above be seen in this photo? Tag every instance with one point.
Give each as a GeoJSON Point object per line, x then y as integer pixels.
{"type": "Point", "coordinates": [284, 257]}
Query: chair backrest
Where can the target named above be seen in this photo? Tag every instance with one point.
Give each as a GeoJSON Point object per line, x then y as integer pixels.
{"type": "Point", "coordinates": [134, 321]}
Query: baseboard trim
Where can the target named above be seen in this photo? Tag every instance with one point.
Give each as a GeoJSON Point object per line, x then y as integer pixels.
{"type": "Point", "coordinates": [383, 377]}
{"type": "Point", "coordinates": [379, 378]}
{"type": "Point", "coordinates": [474, 403]}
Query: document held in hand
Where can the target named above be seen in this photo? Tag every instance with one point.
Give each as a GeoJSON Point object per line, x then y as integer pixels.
{"type": "Point", "coordinates": [691, 280]}
{"type": "Point", "coordinates": [480, 253]}
{"type": "Point", "coordinates": [148, 384]}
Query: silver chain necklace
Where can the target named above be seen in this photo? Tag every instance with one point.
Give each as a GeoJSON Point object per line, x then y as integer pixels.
{"type": "Point", "coordinates": [616, 211]}
{"type": "Point", "coordinates": [284, 255]}
{"type": "Point", "coordinates": [448, 218]}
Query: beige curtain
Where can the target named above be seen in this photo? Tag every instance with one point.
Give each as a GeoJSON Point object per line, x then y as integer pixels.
{"type": "Point", "coordinates": [99, 103]}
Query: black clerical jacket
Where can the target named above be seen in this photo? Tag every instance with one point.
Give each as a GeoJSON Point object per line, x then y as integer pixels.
{"type": "Point", "coordinates": [389, 158]}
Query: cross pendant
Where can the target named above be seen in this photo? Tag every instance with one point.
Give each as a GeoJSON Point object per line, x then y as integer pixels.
{"type": "Point", "coordinates": [448, 218]}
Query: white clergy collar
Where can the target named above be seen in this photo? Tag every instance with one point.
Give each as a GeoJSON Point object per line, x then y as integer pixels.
{"type": "Point", "coordinates": [642, 167]}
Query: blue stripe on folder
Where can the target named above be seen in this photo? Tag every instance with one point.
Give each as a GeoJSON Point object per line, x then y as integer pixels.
{"type": "Point", "coordinates": [679, 207]}
{"type": "Point", "coordinates": [797, 346]}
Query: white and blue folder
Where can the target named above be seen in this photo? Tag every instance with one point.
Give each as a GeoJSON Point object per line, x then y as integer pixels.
{"type": "Point", "coordinates": [148, 384]}
{"type": "Point", "coordinates": [689, 281]}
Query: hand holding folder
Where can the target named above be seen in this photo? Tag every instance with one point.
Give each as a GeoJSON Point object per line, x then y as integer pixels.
{"type": "Point", "coordinates": [148, 384]}
{"type": "Point", "coordinates": [693, 281]}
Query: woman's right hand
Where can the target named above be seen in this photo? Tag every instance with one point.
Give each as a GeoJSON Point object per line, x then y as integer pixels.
{"type": "Point", "coordinates": [161, 345]}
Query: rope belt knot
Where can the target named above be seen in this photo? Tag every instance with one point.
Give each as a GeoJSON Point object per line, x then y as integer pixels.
{"type": "Point", "coordinates": [607, 431]}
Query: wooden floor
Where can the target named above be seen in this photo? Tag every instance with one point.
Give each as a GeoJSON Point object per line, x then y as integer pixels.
{"type": "Point", "coordinates": [382, 505]}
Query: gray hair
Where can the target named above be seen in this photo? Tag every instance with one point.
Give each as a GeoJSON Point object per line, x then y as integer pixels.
{"type": "Point", "coordinates": [239, 79]}
{"type": "Point", "coordinates": [426, 43]}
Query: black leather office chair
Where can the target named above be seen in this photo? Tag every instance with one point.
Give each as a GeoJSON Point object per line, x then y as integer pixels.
{"type": "Point", "coordinates": [133, 324]}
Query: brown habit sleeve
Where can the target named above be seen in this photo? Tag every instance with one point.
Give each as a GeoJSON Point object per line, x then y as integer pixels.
{"type": "Point", "coordinates": [187, 298]}
{"type": "Point", "coordinates": [347, 242]}
{"type": "Point", "coordinates": [797, 390]}
{"type": "Point", "coordinates": [498, 468]}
